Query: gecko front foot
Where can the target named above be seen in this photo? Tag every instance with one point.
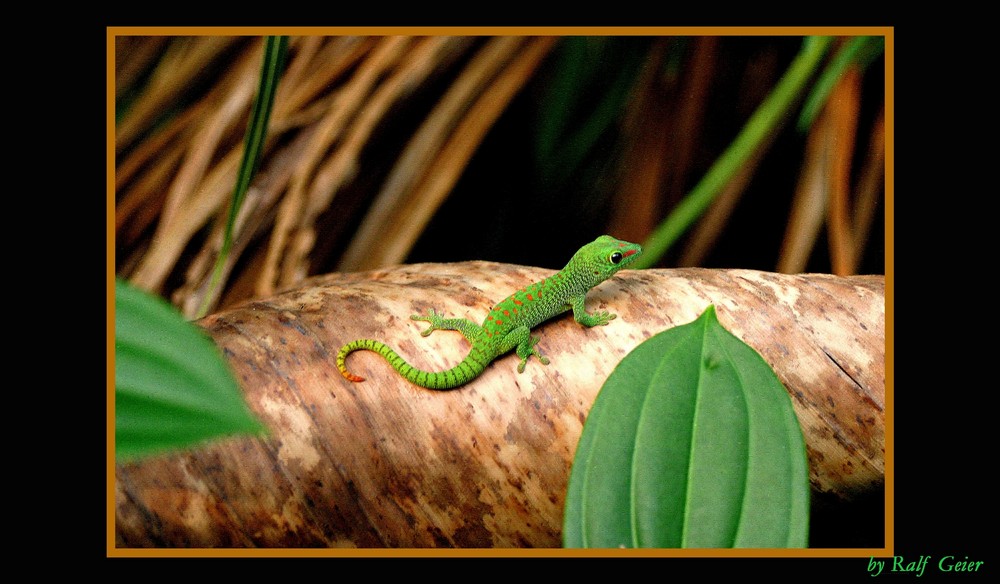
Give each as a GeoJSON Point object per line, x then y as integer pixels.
{"type": "Point", "coordinates": [598, 318]}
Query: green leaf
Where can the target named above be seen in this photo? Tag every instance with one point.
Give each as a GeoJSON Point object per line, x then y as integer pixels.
{"type": "Point", "coordinates": [692, 442]}
{"type": "Point", "coordinates": [172, 387]}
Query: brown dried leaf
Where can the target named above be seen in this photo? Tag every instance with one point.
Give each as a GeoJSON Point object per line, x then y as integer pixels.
{"type": "Point", "coordinates": [843, 106]}
{"type": "Point", "coordinates": [177, 70]}
{"type": "Point", "coordinates": [386, 463]}
{"type": "Point", "coordinates": [294, 211]}
{"type": "Point", "coordinates": [410, 213]}
{"type": "Point", "coordinates": [425, 144]}
{"type": "Point", "coordinates": [870, 186]}
{"type": "Point", "coordinates": [809, 205]}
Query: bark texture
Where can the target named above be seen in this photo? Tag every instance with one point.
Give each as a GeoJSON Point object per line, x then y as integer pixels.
{"type": "Point", "coordinates": [386, 463]}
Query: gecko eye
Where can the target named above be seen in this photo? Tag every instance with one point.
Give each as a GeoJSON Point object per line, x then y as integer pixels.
{"type": "Point", "coordinates": [616, 257]}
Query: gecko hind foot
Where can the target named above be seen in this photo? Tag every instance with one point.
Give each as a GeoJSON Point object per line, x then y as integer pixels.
{"type": "Point", "coordinates": [531, 351]}
{"type": "Point", "coordinates": [432, 317]}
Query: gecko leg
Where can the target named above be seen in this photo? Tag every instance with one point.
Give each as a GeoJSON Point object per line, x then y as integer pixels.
{"type": "Point", "coordinates": [468, 328]}
{"type": "Point", "coordinates": [521, 340]}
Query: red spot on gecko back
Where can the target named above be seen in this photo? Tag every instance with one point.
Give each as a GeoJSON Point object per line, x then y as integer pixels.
{"type": "Point", "coordinates": [530, 299]}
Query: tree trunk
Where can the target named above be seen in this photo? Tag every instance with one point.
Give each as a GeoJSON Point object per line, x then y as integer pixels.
{"type": "Point", "coordinates": [385, 463]}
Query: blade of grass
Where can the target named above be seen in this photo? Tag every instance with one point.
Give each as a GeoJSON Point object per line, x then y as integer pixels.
{"type": "Point", "coordinates": [274, 58]}
{"type": "Point", "coordinates": [761, 123]}
{"type": "Point", "coordinates": [860, 50]}
{"type": "Point", "coordinates": [716, 218]}
{"type": "Point", "coordinates": [576, 141]}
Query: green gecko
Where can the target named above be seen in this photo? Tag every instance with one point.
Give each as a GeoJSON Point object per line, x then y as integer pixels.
{"type": "Point", "coordinates": [509, 323]}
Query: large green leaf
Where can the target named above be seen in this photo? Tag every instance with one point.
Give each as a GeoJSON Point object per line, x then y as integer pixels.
{"type": "Point", "coordinates": [692, 442]}
{"type": "Point", "coordinates": [172, 387]}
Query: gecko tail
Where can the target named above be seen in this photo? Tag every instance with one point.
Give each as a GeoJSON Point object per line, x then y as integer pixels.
{"type": "Point", "coordinates": [347, 350]}
{"type": "Point", "coordinates": [397, 362]}
{"type": "Point", "coordinates": [350, 376]}
{"type": "Point", "coordinates": [469, 368]}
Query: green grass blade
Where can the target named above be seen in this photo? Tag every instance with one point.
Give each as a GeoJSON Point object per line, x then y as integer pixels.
{"type": "Point", "coordinates": [562, 93]}
{"type": "Point", "coordinates": [763, 121]}
{"type": "Point", "coordinates": [253, 147]}
{"type": "Point", "coordinates": [566, 131]}
{"type": "Point", "coordinates": [861, 50]}
{"type": "Point", "coordinates": [692, 442]}
{"type": "Point", "coordinates": [172, 387]}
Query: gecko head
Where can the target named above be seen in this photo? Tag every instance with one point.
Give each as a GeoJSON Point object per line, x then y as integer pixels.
{"type": "Point", "coordinates": [602, 258]}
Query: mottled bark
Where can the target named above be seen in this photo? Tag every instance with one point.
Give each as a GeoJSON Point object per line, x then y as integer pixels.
{"type": "Point", "coordinates": [386, 463]}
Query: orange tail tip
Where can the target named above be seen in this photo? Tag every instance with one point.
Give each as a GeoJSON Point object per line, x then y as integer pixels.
{"type": "Point", "coordinates": [350, 376]}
